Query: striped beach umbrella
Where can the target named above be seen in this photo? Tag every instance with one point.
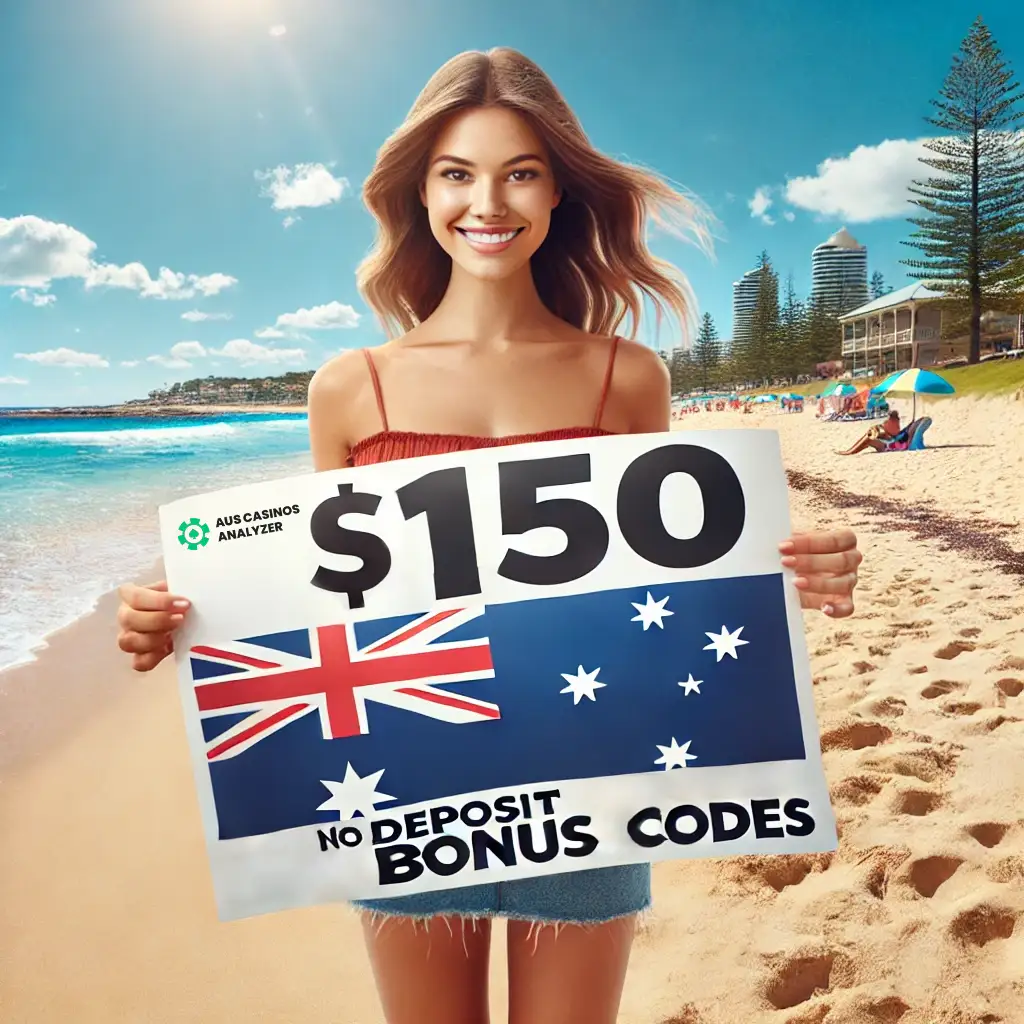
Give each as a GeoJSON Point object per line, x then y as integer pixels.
{"type": "Point", "coordinates": [915, 382]}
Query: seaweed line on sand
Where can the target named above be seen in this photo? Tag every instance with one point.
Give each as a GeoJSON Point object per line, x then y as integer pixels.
{"type": "Point", "coordinates": [976, 538]}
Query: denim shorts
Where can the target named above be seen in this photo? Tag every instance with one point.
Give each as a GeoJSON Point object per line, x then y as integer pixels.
{"type": "Point", "coordinates": [576, 897]}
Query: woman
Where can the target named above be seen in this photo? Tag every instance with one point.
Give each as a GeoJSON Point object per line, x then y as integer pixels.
{"type": "Point", "coordinates": [508, 253]}
{"type": "Point", "coordinates": [879, 438]}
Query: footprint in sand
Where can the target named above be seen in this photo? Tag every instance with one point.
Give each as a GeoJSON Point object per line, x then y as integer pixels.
{"type": "Point", "coordinates": [961, 707]}
{"type": "Point", "coordinates": [795, 979]}
{"type": "Point", "coordinates": [917, 802]}
{"type": "Point", "coordinates": [940, 688]}
{"type": "Point", "coordinates": [882, 864]}
{"type": "Point", "coordinates": [954, 649]}
{"type": "Point", "coordinates": [927, 874]}
{"type": "Point", "coordinates": [983, 923]}
{"type": "Point", "coordinates": [988, 833]}
{"type": "Point", "coordinates": [776, 873]}
{"type": "Point", "coordinates": [925, 763]}
{"type": "Point", "coordinates": [856, 790]}
{"type": "Point", "coordinates": [887, 707]}
{"type": "Point", "coordinates": [1008, 687]}
{"type": "Point", "coordinates": [855, 736]}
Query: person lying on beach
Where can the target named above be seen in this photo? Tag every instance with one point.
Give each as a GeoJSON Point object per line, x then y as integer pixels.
{"type": "Point", "coordinates": [509, 251]}
{"type": "Point", "coordinates": [878, 438]}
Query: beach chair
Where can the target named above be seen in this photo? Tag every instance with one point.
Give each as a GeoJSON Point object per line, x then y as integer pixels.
{"type": "Point", "coordinates": [912, 435]}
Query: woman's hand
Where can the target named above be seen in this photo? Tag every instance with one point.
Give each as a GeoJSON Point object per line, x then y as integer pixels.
{"type": "Point", "coordinates": [148, 617]}
{"type": "Point", "coordinates": [825, 564]}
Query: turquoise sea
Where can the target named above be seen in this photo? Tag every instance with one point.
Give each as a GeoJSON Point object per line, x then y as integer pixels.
{"type": "Point", "coordinates": [79, 497]}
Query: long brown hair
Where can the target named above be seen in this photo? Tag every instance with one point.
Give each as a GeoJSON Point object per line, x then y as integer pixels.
{"type": "Point", "coordinates": [594, 267]}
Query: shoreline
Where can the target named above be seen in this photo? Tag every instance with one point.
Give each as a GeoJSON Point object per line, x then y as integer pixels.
{"type": "Point", "coordinates": [151, 411]}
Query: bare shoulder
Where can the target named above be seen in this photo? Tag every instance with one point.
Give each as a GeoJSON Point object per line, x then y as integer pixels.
{"type": "Point", "coordinates": [339, 379]}
{"type": "Point", "coordinates": [640, 369]}
{"type": "Point", "coordinates": [342, 408]}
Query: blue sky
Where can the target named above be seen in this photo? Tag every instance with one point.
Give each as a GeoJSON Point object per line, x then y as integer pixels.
{"type": "Point", "coordinates": [227, 142]}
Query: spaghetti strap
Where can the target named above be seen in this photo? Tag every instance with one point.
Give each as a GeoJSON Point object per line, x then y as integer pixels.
{"type": "Point", "coordinates": [607, 382]}
{"type": "Point", "coordinates": [376, 389]}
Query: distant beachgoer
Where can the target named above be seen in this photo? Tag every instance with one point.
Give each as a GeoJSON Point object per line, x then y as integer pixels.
{"type": "Point", "coordinates": [886, 437]}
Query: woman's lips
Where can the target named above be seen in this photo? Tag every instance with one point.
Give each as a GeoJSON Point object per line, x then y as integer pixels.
{"type": "Point", "coordinates": [489, 242]}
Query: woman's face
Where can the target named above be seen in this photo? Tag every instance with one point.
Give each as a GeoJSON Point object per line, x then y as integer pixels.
{"type": "Point", "coordinates": [489, 192]}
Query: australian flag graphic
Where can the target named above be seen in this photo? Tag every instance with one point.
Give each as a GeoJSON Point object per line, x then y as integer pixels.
{"type": "Point", "coordinates": [315, 725]}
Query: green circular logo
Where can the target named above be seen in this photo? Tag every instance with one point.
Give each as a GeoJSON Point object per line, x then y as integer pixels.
{"type": "Point", "coordinates": [193, 534]}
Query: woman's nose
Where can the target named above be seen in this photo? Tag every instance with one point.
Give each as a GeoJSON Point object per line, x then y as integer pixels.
{"type": "Point", "coordinates": [488, 198]}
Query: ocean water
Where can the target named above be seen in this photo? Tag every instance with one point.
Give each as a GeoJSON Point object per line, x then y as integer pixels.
{"type": "Point", "coordinates": [79, 497]}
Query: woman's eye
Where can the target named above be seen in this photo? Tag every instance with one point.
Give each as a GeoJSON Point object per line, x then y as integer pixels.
{"type": "Point", "coordinates": [454, 174]}
{"type": "Point", "coordinates": [524, 174]}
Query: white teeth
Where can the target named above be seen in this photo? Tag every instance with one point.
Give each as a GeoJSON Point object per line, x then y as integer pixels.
{"type": "Point", "coordinates": [487, 238]}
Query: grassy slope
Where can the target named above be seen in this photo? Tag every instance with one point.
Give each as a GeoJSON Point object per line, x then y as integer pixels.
{"type": "Point", "coordinates": [996, 377]}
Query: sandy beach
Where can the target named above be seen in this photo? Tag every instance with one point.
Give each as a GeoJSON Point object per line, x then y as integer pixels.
{"type": "Point", "coordinates": [106, 908]}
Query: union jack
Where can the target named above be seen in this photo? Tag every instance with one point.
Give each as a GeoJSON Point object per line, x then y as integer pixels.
{"type": "Point", "coordinates": [281, 677]}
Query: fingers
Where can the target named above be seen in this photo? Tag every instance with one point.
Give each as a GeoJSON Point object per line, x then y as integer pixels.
{"type": "Point", "coordinates": [134, 621]}
{"type": "Point", "coordinates": [142, 643]}
{"type": "Point", "coordinates": [148, 662]}
{"type": "Point", "coordinates": [152, 598]}
{"type": "Point", "coordinates": [819, 543]}
{"type": "Point", "coordinates": [833, 607]}
{"type": "Point", "coordinates": [842, 562]}
{"type": "Point", "coordinates": [827, 584]}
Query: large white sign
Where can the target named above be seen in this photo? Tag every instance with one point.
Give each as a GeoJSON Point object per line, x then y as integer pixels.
{"type": "Point", "coordinates": [494, 664]}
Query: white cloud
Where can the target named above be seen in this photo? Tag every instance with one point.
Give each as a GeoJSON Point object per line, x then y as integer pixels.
{"type": "Point", "coordinates": [34, 298]}
{"type": "Point", "coordinates": [188, 350]}
{"type": "Point", "coordinates": [180, 354]}
{"type": "Point", "coordinates": [278, 30]}
{"type": "Point", "coordinates": [63, 357]}
{"type": "Point", "coordinates": [269, 332]}
{"type": "Point", "coordinates": [34, 252]}
{"type": "Point", "coordinates": [759, 205]}
{"type": "Point", "coordinates": [289, 221]}
{"type": "Point", "coordinates": [245, 351]}
{"type": "Point", "coordinates": [789, 215]}
{"type": "Point", "coordinates": [195, 316]}
{"type": "Point", "coordinates": [167, 285]}
{"type": "Point", "coordinates": [169, 362]}
{"type": "Point", "coordinates": [330, 316]}
{"type": "Point", "coordinates": [304, 185]}
{"type": "Point", "coordinates": [13, 380]}
{"type": "Point", "coordinates": [871, 183]}
{"type": "Point", "coordinates": [129, 363]}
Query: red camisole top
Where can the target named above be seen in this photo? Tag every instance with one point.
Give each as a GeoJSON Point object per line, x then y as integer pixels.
{"type": "Point", "coordinates": [387, 445]}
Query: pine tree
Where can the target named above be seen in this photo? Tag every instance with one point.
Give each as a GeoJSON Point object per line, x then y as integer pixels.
{"type": "Point", "coordinates": [707, 353]}
{"type": "Point", "coordinates": [682, 372]}
{"type": "Point", "coordinates": [972, 237]}
{"type": "Point", "coordinates": [877, 285]}
{"type": "Point", "coordinates": [765, 326]}
{"type": "Point", "coordinates": [795, 356]}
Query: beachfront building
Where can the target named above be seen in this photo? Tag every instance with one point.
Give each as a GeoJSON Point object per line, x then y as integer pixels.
{"type": "Point", "coordinates": [904, 329]}
{"type": "Point", "coordinates": [839, 272]}
{"type": "Point", "coordinates": [744, 302]}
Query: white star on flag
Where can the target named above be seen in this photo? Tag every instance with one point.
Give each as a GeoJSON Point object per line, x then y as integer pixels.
{"type": "Point", "coordinates": [725, 643]}
{"type": "Point", "coordinates": [691, 685]}
{"type": "Point", "coordinates": [582, 684]}
{"type": "Point", "coordinates": [675, 756]}
{"type": "Point", "coordinates": [651, 612]}
{"type": "Point", "coordinates": [354, 794]}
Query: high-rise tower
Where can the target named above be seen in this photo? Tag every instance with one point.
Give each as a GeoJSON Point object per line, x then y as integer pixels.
{"type": "Point", "coordinates": [744, 302]}
{"type": "Point", "coordinates": [839, 272]}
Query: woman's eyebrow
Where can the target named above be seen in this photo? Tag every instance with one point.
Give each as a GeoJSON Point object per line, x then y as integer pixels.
{"type": "Point", "coordinates": [463, 162]}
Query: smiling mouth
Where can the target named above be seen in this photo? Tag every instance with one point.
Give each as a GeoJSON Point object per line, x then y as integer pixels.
{"type": "Point", "coordinates": [489, 237]}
